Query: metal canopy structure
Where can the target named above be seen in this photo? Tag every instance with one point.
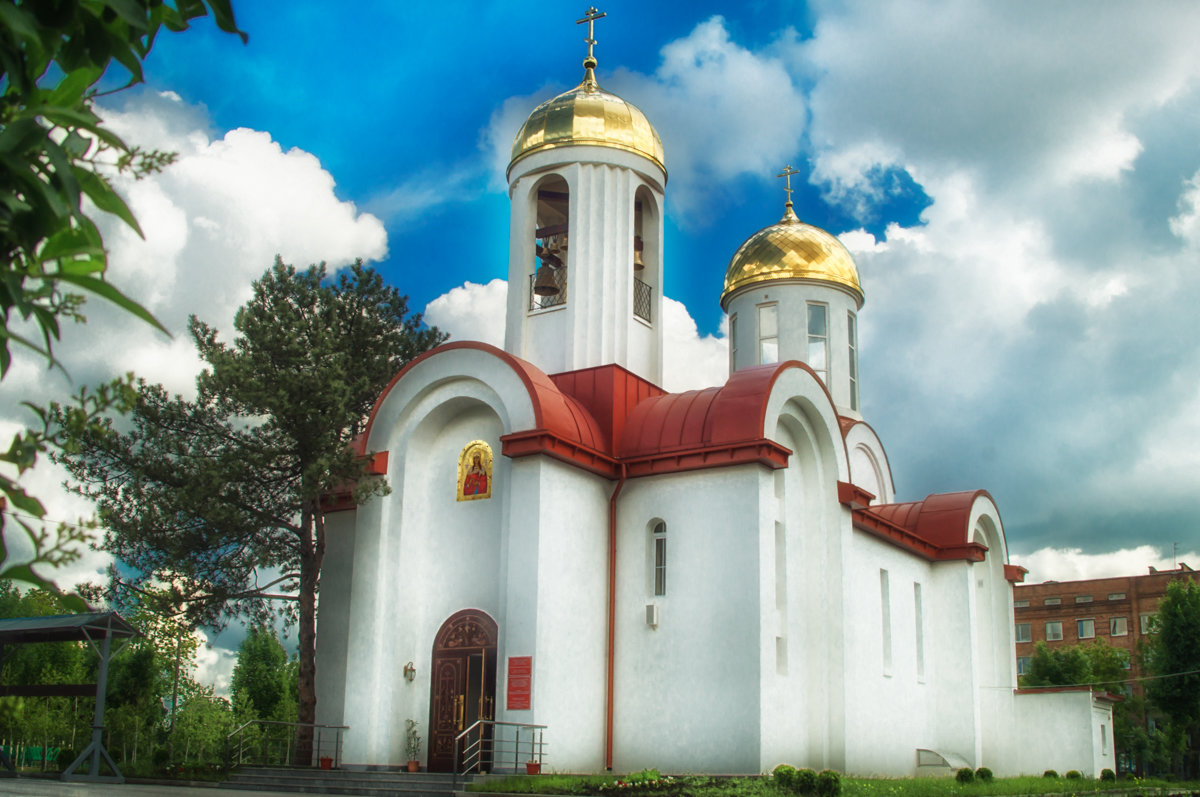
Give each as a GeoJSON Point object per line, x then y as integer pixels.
{"type": "Point", "coordinates": [98, 630]}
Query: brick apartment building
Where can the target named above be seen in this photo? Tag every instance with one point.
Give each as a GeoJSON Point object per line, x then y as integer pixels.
{"type": "Point", "coordinates": [1117, 610]}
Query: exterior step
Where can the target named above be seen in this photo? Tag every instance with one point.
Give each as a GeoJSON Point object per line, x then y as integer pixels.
{"type": "Point", "coordinates": [369, 783]}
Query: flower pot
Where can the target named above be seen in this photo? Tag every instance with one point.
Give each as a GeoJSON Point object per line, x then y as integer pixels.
{"type": "Point", "coordinates": [326, 762]}
{"type": "Point", "coordinates": [414, 766]}
{"type": "Point", "coordinates": [533, 767]}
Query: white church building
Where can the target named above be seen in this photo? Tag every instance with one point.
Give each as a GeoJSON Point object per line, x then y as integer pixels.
{"type": "Point", "coordinates": [718, 580]}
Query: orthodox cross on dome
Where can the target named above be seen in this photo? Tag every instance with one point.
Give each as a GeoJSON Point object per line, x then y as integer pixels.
{"type": "Point", "coordinates": [589, 63]}
{"type": "Point", "coordinates": [786, 174]}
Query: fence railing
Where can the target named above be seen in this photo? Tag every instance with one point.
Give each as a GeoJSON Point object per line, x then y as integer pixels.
{"type": "Point", "coordinates": [491, 746]}
{"type": "Point", "coordinates": [270, 743]}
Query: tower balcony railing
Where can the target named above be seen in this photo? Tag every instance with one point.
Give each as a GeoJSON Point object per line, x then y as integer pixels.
{"type": "Point", "coordinates": [537, 302]}
{"type": "Point", "coordinates": [643, 300]}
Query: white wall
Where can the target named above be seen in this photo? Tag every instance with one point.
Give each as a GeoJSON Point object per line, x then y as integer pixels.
{"type": "Point", "coordinates": [687, 692]}
{"type": "Point", "coordinates": [333, 616]}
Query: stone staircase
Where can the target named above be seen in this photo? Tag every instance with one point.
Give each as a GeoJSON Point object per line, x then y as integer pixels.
{"type": "Point", "coordinates": [374, 783]}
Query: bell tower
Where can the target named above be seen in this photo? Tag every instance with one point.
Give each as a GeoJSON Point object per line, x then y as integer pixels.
{"type": "Point", "coordinates": [586, 184]}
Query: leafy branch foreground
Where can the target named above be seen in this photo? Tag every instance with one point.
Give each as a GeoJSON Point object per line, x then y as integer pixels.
{"type": "Point", "coordinates": [650, 784]}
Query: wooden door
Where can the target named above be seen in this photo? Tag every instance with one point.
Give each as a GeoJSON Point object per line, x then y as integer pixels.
{"type": "Point", "coordinates": [464, 683]}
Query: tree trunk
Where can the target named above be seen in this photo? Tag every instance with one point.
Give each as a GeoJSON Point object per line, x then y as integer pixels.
{"type": "Point", "coordinates": [312, 551]}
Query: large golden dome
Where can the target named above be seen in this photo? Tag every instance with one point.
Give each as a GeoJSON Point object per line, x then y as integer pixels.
{"type": "Point", "coordinates": [587, 114]}
{"type": "Point", "coordinates": [791, 250]}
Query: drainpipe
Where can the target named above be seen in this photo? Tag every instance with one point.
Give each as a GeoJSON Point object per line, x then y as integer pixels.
{"type": "Point", "coordinates": [612, 616]}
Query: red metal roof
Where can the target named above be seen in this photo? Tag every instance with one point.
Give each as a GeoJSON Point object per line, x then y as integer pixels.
{"type": "Point", "coordinates": [937, 528]}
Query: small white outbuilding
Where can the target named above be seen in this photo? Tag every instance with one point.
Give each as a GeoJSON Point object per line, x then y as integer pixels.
{"type": "Point", "coordinates": [719, 580]}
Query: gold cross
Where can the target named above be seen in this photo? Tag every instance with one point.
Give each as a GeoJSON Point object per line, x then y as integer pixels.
{"type": "Point", "coordinates": [590, 18]}
{"type": "Point", "coordinates": [786, 174]}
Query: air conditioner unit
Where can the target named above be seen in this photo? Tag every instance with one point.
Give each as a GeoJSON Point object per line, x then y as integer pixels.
{"type": "Point", "coordinates": [652, 615]}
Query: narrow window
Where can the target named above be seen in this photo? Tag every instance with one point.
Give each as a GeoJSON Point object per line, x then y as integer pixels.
{"type": "Point", "coordinates": [852, 336]}
{"type": "Point", "coordinates": [1023, 633]}
{"type": "Point", "coordinates": [768, 333]}
{"type": "Point", "coordinates": [548, 282]}
{"type": "Point", "coordinates": [780, 568]}
{"type": "Point", "coordinates": [1023, 663]}
{"type": "Point", "coordinates": [1085, 629]}
{"type": "Point", "coordinates": [660, 558]}
{"type": "Point", "coordinates": [1144, 622]}
{"type": "Point", "coordinates": [1053, 630]}
{"type": "Point", "coordinates": [818, 340]}
{"type": "Point", "coordinates": [919, 616]}
{"type": "Point", "coordinates": [1118, 626]}
{"type": "Point", "coordinates": [885, 612]}
{"type": "Point", "coordinates": [1052, 602]}
{"type": "Point", "coordinates": [1020, 604]}
{"type": "Point", "coordinates": [1083, 598]}
{"type": "Point", "coordinates": [733, 341]}
{"type": "Point", "coordinates": [1103, 740]}
{"type": "Point", "coordinates": [1116, 596]}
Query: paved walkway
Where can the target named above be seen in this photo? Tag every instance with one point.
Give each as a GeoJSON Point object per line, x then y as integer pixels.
{"type": "Point", "coordinates": [37, 787]}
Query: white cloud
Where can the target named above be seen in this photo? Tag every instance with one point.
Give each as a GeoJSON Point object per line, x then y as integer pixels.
{"type": "Point", "coordinates": [214, 222]}
{"type": "Point", "coordinates": [1073, 564]}
{"type": "Point", "coordinates": [214, 666]}
{"type": "Point", "coordinates": [471, 312]}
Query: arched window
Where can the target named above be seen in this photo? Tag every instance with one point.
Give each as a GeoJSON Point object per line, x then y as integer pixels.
{"type": "Point", "coordinates": [659, 553]}
{"type": "Point", "coordinates": [548, 282]}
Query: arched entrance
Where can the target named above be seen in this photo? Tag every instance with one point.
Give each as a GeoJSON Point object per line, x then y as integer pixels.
{"type": "Point", "coordinates": [464, 682]}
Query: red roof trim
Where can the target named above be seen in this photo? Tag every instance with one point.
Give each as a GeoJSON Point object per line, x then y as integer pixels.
{"type": "Point", "coordinates": [542, 441]}
{"type": "Point", "coordinates": [1015, 573]}
{"type": "Point", "coordinates": [907, 525]}
{"type": "Point", "coordinates": [761, 452]}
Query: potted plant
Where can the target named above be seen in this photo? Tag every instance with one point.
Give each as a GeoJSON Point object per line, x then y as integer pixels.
{"type": "Point", "coordinates": [412, 745]}
{"type": "Point", "coordinates": [533, 767]}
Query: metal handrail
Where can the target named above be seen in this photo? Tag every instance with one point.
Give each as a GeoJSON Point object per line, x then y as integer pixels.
{"type": "Point", "coordinates": [317, 747]}
{"type": "Point", "coordinates": [473, 753]}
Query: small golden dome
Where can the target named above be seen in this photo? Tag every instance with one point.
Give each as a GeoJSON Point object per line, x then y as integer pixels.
{"type": "Point", "coordinates": [791, 250]}
{"type": "Point", "coordinates": [588, 115]}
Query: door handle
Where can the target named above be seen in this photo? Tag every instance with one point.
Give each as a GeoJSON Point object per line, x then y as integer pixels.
{"type": "Point", "coordinates": [460, 706]}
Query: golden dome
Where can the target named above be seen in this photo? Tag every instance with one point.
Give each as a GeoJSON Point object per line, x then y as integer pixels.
{"type": "Point", "coordinates": [791, 250]}
{"type": "Point", "coordinates": [588, 115]}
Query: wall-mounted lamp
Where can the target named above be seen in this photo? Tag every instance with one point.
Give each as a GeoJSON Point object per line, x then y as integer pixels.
{"type": "Point", "coordinates": [410, 672]}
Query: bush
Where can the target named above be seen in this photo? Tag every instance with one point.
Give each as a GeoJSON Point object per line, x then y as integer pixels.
{"type": "Point", "coordinates": [1107, 774]}
{"type": "Point", "coordinates": [804, 781]}
{"type": "Point", "coordinates": [829, 784]}
{"type": "Point", "coordinates": [1049, 773]}
{"type": "Point", "coordinates": [784, 776]}
{"type": "Point", "coordinates": [965, 775]}
{"type": "Point", "coordinates": [984, 775]}
{"type": "Point", "coordinates": [1073, 774]}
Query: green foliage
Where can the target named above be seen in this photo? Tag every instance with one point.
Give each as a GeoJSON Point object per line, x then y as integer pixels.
{"type": "Point", "coordinates": [984, 774]}
{"type": "Point", "coordinates": [207, 494]}
{"type": "Point", "coordinates": [54, 151]}
{"type": "Point", "coordinates": [1173, 654]}
{"type": "Point", "coordinates": [1050, 773]}
{"type": "Point", "coordinates": [1107, 775]}
{"type": "Point", "coordinates": [1073, 774]}
{"type": "Point", "coordinates": [784, 775]}
{"type": "Point", "coordinates": [412, 740]}
{"type": "Point", "coordinates": [261, 677]}
{"type": "Point", "coordinates": [965, 775]}
{"type": "Point", "coordinates": [805, 781]}
{"type": "Point", "coordinates": [829, 784]}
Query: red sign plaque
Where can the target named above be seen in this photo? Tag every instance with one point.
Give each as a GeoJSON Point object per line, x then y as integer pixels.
{"type": "Point", "coordinates": [520, 681]}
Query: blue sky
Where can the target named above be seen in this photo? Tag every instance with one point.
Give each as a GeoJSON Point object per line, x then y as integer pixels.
{"type": "Point", "coordinates": [1019, 183]}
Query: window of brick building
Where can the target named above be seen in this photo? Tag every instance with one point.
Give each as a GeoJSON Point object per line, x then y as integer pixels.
{"type": "Point", "coordinates": [1083, 598]}
{"type": "Point", "coordinates": [1023, 663]}
{"type": "Point", "coordinates": [1085, 629]}
{"type": "Point", "coordinates": [1052, 601]}
{"type": "Point", "coordinates": [1116, 596]}
{"type": "Point", "coordinates": [1118, 626]}
{"type": "Point", "coordinates": [1054, 630]}
{"type": "Point", "coordinates": [1020, 604]}
{"type": "Point", "coordinates": [1145, 622]}
{"type": "Point", "coordinates": [1023, 634]}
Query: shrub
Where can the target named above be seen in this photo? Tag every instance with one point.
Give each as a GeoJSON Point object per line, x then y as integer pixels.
{"type": "Point", "coordinates": [1073, 774]}
{"type": "Point", "coordinates": [829, 784]}
{"type": "Point", "coordinates": [984, 775]}
{"type": "Point", "coordinates": [804, 781]}
{"type": "Point", "coordinates": [1049, 773]}
{"type": "Point", "coordinates": [965, 775]}
{"type": "Point", "coordinates": [784, 776]}
{"type": "Point", "coordinates": [1107, 774]}
{"type": "Point", "coordinates": [162, 757]}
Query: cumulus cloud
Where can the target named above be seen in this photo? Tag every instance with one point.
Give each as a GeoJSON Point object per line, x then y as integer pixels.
{"type": "Point", "coordinates": [471, 312]}
{"type": "Point", "coordinates": [214, 222]}
{"type": "Point", "coordinates": [1073, 564]}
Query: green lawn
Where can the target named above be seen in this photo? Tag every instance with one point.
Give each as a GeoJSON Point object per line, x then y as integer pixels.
{"type": "Point", "coordinates": [645, 783]}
